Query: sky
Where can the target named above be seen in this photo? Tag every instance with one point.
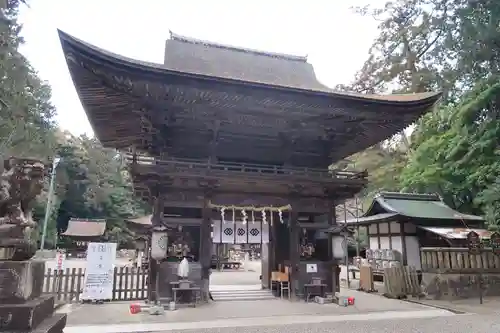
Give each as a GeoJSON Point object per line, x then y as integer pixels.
{"type": "Point", "coordinates": [335, 39]}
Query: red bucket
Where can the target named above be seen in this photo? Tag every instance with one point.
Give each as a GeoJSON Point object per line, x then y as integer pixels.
{"type": "Point", "coordinates": [350, 300]}
{"type": "Point", "coordinates": [135, 308]}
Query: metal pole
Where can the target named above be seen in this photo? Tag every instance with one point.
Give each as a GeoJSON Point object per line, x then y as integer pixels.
{"type": "Point", "coordinates": [49, 201]}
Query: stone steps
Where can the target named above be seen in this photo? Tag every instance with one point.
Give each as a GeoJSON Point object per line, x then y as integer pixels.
{"type": "Point", "coordinates": [241, 295]}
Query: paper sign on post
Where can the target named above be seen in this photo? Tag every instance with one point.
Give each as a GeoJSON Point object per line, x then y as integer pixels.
{"type": "Point", "coordinates": [60, 260]}
{"type": "Point", "coordinates": [99, 272]}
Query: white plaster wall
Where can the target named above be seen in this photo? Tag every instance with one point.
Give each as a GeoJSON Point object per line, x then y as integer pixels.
{"type": "Point", "coordinates": [384, 243]}
{"type": "Point", "coordinates": [395, 228]}
{"type": "Point", "coordinates": [412, 251]}
{"type": "Point", "coordinates": [372, 229]}
{"type": "Point", "coordinates": [383, 228]}
{"type": "Point", "coordinates": [373, 243]}
{"type": "Point", "coordinates": [397, 243]}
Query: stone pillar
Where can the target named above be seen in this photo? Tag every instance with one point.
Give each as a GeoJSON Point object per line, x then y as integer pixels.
{"type": "Point", "coordinates": [22, 306]}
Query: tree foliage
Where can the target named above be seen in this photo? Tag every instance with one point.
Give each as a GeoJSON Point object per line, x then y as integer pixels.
{"type": "Point", "coordinates": [91, 182]}
{"type": "Point", "coordinates": [453, 46]}
{"type": "Point", "coordinates": [94, 183]}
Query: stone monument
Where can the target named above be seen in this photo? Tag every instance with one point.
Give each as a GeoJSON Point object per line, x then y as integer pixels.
{"type": "Point", "coordinates": [23, 308]}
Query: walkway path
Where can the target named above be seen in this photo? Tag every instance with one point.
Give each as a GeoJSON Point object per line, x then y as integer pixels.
{"type": "Point", "coordinates": [256, 322]}
{"type": "Point", "coordinates": [115, 317]}
{"type": "Point", "coordinates": [118, 313]}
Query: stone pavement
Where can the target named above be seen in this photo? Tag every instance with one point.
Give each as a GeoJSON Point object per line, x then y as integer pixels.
{"type": "Point", "coordinates": [115, 317]}
{"type": "Point", "coordinates": [490, 306]}
{"type": "Point", "coordinates": [444, 324]}
{"type": "Point", "coordinates": [251, 311]}
{"type": "Point", "coordinates": [264, 324]}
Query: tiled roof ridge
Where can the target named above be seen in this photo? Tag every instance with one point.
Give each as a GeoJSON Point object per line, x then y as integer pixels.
{"type": "Point", "coordinates": [185, 39]}
{"type": "Point", "coordinates": [409, 196]}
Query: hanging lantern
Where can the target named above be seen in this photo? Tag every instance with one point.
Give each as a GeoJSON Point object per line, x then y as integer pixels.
{"type": "Point", "coordinates": [338, 246]}
{"type": "Point", "coordinates": [159, 241]}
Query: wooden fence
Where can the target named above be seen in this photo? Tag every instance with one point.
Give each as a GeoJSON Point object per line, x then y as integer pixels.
{"type": "Point", "coordinates": [67, 285]}
{"type": "Point", "coordinates": [401, 281]}
{"type": "Point", "coordinates": [458, 260]}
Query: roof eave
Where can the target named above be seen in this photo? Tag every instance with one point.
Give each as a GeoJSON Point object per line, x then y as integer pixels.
{"type": "Point", "coordinates": [114, 59]}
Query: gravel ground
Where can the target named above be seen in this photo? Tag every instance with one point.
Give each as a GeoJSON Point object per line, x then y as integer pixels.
{"type": "Point", "coordinates": [453, 324]}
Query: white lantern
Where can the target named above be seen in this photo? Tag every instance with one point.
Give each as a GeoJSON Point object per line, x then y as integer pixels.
{"type": "Point", "coordinates": [159, 243]}
{"type": "Point", "coordinates": [338, 246]}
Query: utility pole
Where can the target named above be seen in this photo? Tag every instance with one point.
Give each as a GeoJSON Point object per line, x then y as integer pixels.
{"type": "Point", "coordinates": [55, 162]}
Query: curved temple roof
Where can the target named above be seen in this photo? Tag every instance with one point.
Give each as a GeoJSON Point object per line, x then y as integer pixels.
{"type": "Point", "coordinates": [85, 228]}
{"type": "Point", "coordinates": [113, 89]}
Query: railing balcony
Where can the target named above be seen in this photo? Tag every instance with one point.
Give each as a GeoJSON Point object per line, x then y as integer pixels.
{"type": "Point", "coordinates": [184, 165]}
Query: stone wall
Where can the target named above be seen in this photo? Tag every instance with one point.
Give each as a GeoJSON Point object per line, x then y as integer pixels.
{"type": "Point", "coordinates": [452, 286]}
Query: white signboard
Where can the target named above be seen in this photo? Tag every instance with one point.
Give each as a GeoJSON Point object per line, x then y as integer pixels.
{"type": "Point", "coordinates": [99, 272]}
{"type": "Point", "coordinates": [311, 268]}
{"type": "Point", "coordinates": [60, 260]}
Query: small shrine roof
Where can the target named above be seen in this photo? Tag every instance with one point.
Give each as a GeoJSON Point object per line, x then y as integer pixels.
{"type": "Point", "coordinates": [143, 220]}
{"type": "Point", "coordinates": [422, 206]}
{"type": "Point", "coordinates": [392, 206]}
{"type": "Point", "coordinates": [457, 233]}
{"type": "Point", "coordinates": [85, 228]}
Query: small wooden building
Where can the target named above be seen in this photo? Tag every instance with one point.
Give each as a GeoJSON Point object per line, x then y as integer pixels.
{"type": "Point", "coordinates": [405, 222]}
{"type": "Point", "coordinates": [82, 231]}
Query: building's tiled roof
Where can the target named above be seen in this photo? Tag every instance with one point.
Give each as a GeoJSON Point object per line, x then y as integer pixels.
{"type": "Point", "coordinates": [143, 220]}
{"type": "Point", "coordinates": [195, 56]}
{"type": "Point", "coordinates": [457, 233]}
{"type": "Point", "coordinates": [85, 228]}
{"type": "Point", "coordinates": [419, 206]}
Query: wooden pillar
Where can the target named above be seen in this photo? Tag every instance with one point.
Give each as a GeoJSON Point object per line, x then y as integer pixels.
{"type": "Point", "coordinates": [294, 251]}
{"type": "Point", "coordinates": [403, 243]}
{"type": "Point", "coordinates": [273, 244]}
{"type": "Point", "coordinates": [335, 271]}
{"type": "Point", "coordinates": [206, 245]}
{"type": "Point", "coordinates": [158, 206]}
{"type": "Point", "coordinates": [331, 221]}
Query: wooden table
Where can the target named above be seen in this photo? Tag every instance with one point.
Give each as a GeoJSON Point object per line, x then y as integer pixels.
{"type": "Point", "coordinates": [308, 287]}
{"type": "Point", "coordinates": [194, 293]}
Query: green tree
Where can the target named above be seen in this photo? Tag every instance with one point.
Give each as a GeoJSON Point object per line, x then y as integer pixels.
{"type": "Point", "coordinates": [26, 114]}
{"type": "Point", "coordinates": [461, 162]}
{"type": "Point", "coordinates": [93, 183]}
